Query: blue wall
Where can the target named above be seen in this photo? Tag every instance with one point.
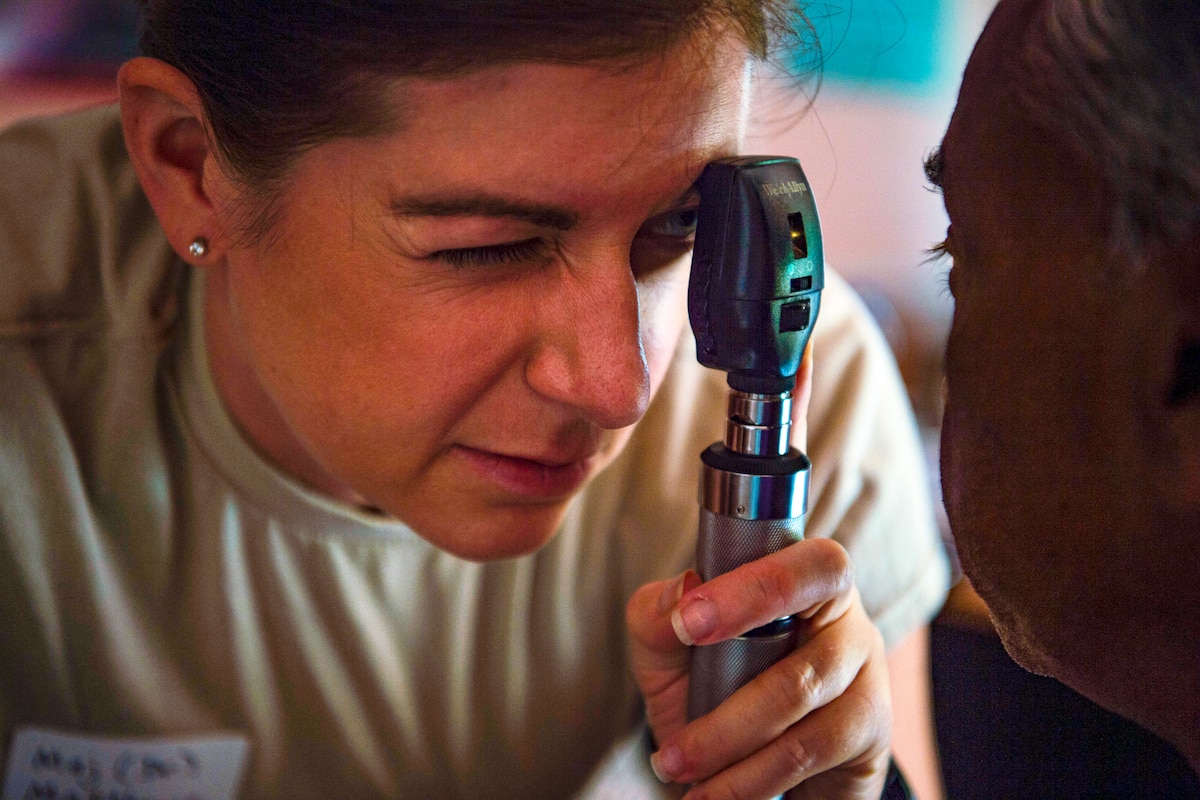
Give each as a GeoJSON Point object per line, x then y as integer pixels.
{"type": "Point", "coordinates": [897, 46]}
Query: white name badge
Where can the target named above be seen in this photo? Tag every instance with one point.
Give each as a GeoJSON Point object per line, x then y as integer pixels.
{"type": "Point", "coordinates": [49, 765]}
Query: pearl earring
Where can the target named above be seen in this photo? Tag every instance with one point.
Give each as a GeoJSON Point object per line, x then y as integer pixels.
{"type": "Point", "coordinates": [199, 247]}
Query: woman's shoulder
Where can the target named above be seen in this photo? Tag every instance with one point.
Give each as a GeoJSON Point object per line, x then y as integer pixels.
{"type": "Point", "coordinates": [79, 240]}
{"type": "Point", "coordinates": [48, 160]}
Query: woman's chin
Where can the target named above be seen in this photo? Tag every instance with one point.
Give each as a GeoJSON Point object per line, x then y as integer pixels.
{"type": "Point", "coordinates": [499, 534]}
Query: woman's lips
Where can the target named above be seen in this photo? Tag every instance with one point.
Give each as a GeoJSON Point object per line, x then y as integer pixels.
{"type": "Point", "coordinates": [534, 478]}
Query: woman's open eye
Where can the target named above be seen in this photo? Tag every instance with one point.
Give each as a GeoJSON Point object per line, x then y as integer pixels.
{"type": "Point", "coordinates": [678, 224]}
{"type": "Point", "coordinates": [495, 254]}
{"type": "Point", "coordinates": [663, 240]}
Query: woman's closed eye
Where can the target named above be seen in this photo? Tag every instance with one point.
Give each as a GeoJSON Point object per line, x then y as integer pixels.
{"type": "Point", "coordinates": [674, 231]}
{"type": "Point", "coordinates": [526, 250]}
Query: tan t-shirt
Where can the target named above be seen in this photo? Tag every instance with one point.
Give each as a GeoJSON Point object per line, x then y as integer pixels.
{"type": "Point", "coordinates": [158, 578]}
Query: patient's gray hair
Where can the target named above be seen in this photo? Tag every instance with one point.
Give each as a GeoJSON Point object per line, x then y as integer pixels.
{"type": "Point", "coordinates": [1120, 79]}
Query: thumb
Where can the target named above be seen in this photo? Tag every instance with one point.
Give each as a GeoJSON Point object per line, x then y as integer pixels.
{"type": "Point", "coordinates": [801, 396]}
{"type": "Point", "coordinates": [659, 659]}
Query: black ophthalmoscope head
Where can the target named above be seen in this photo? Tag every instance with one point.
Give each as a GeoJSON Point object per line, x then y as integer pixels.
{"type": "Point", "coordinates": [757, 271]}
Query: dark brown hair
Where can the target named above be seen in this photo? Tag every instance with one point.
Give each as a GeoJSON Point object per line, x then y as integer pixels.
{"type": "Point", "coordinates": [278, 78]}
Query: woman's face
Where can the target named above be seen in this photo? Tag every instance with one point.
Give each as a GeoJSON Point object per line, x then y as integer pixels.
{"type": "Point", "coordinates": [459, 322]}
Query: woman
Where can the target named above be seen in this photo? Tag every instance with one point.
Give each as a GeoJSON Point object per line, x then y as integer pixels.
{"type": "Point", "coordinates": [358, 403]}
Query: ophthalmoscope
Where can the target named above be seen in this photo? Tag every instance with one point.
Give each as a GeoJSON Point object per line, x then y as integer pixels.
{"type": "Point", "coordinates": [754, 291]}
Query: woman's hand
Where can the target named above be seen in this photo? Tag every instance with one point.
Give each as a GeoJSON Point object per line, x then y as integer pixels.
{"type": "Point", "coordinates": [818, 720]}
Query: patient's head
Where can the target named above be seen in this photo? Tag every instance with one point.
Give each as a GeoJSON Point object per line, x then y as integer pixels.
{"type": "Point", "coordinates": [1071, 449]}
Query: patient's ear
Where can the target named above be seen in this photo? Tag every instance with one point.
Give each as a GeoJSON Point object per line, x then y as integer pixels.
{"type": "Point", "coordinates": [1185, 377]}
{"type": "Point", "coordinates": [1180, 267]}
{"type": "Point", "coordinates": [167, 135]}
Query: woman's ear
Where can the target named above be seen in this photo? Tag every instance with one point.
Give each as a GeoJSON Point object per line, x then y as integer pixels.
{"type": "Point", "coordinates": [167, 136]}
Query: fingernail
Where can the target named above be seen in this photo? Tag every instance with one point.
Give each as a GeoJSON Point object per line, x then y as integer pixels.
{"type": "Point", "coordinates": [671, 594]}
{"type": "Point", "coordinates": [694, 620]}
{"type": "Point", "coordinates": [667, 763]}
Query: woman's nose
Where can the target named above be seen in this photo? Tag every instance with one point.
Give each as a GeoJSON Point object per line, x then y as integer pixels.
{"type": "Point", "coordinates": [588, 352]}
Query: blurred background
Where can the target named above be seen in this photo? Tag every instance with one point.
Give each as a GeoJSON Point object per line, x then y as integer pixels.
{"type": "Point", "coordinates": [869, 110]}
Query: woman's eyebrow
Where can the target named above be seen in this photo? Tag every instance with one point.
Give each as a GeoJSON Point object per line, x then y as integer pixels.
{"type": "Point", "coordinates": [484, 205]}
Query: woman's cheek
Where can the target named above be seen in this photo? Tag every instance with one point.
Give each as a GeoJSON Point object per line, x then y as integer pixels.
{"type": "Point", "coordinates": [663, 309]}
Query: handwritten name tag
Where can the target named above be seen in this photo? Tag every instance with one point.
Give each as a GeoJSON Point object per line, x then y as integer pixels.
{"type": "Point", "coordinates": [49, 765]}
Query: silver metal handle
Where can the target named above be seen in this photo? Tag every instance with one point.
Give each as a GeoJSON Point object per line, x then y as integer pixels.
{"type": "Point", "coordinates": [718, 670]}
